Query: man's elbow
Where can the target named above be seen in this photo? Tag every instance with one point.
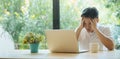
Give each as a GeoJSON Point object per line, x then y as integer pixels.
{"type": "Point", "coordinates": [111, 47]}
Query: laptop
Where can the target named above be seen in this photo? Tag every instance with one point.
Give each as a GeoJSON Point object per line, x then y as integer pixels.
{"type": "Point", "coordinates": [62, 41]}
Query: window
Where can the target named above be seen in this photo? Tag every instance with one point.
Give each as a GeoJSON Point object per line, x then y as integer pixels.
{"type": "Point", "coordinates": [19, 17]}
{"type": "Point", "coordinates": [70, 14]}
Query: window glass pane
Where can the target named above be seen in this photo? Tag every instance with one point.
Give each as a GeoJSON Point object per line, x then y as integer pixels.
{"type": "Point", "coordinates": [19, 17]}
{"type": "Point", "coordinates": [70, 12]}
{"type": "Point", "coordinates": [109, 14]}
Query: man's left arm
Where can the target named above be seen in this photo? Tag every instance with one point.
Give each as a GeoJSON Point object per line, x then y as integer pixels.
{"type": "Point", "coordinates": [103, 38]}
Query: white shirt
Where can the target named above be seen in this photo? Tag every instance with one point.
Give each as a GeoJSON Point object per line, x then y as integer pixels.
{"type": "Point", "coordinates": [86, 38]}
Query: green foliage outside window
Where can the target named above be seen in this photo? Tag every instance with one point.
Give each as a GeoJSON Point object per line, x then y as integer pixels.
{"type": "Point", "coordinates": [19, 17]}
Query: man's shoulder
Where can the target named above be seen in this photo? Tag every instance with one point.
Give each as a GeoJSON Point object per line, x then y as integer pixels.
{"type": "Point", "coordinates": [104, 27]}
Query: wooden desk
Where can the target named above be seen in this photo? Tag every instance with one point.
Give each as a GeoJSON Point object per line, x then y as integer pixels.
{"type": "Point", "coordinates": [46, 54]}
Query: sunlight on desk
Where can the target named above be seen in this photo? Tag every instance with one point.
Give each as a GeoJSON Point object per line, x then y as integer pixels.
{"type": "Point", "coordinates": [47, 54]}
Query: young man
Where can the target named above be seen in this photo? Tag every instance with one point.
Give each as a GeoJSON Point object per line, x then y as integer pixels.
{"type": "Point", "coordinates": [89, 31]}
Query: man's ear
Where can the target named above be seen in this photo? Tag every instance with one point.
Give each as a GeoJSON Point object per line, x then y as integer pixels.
{"type": "Point", "coordinates": [82, 18]}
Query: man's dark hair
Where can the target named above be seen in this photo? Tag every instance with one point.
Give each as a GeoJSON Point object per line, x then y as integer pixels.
{"type": "Point", "coordinates": [90, 12]}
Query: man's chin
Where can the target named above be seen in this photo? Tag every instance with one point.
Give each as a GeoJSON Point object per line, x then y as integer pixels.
{"type": "Point", "coordinates": [89, 31]}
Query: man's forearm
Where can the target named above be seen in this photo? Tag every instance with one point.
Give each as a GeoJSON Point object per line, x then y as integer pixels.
{"type": "Point", "coordinates": [106, 41]}
{"type": "Point", "coordinates": [78, 32]}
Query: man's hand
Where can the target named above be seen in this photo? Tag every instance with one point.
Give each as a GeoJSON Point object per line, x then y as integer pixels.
{"type": "Point", "coordinates": [82, 24]}
{"type": "Point", "coordinates": [94, 23]}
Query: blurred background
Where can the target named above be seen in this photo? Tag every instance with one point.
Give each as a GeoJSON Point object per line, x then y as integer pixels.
{"type": "Point", "coordinates": [18, 17]}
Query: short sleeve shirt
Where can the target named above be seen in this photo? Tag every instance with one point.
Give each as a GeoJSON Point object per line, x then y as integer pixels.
{"type": "Point", "coordinates": [86, 38]}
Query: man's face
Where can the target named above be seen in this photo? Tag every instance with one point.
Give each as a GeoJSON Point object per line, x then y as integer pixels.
{"type": "Point", "coordinates": [87, 24]}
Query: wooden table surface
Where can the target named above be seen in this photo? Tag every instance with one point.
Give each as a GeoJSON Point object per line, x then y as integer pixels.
{"type": "Point", "coordinates": [46, 54]}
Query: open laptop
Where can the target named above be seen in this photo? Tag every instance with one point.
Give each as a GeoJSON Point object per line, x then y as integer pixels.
{"type": "Point", "coordinates": [62, 41]}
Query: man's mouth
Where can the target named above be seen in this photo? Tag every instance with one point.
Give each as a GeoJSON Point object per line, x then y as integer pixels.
{"type": "Point", "coordinates": [88, 30]}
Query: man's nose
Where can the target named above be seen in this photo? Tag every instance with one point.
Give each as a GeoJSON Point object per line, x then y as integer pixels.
{"type": "Point", "coordinates": [87, 26]}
